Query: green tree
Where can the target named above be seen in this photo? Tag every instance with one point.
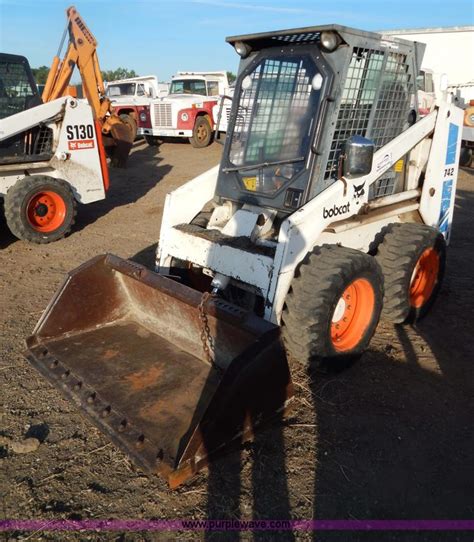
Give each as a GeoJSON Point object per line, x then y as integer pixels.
{"type": "Point", "coordinates": [40, 74]}
{"type": "Point", "coordinates": [231, 77]}
{"type": "Point", "coordinates": [119, 73]}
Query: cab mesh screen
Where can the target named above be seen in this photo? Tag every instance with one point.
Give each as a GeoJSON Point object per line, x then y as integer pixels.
{"type": "Point", "coordinates": [375, 104]}
{"type": "Point", "coordinates": [274, 112]}
{"type": "Point", "coordinates": [15, 88]}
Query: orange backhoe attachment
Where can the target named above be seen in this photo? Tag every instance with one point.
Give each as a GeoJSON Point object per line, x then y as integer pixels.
{"type": "Point", "coordinates": [118, 132]}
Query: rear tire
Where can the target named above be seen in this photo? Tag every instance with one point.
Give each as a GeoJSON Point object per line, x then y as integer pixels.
{"type": "Point", "coordinates": [202, 133]}
{"type": "Point", "coordinates": [153, 141]}
{"type": "Point", "coordinates": [130, 121]}
{"type": "Point", "coordinates": [465, 157]}
{"type": "Point", "coordinates": [333, 306]}
{"type": "Point", "coordinates": [412, 258]}
{"type": "Point", "coordinates": [40, 209]}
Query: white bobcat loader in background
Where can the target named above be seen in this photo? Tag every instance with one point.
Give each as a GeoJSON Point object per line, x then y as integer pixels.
{"type": "Point", "coordinates": [52, 149]}
{"type": "Point", "coordinates": [51, 156]}
{"type": "Point", "coordinates": [325, 198]}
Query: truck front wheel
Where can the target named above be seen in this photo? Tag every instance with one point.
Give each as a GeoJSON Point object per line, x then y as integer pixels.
{"type": "Point", "coordinates": [465, 157]}
{"type": "Point", "coordinates": [202, 133]}
{"type": "Point", "coordinates": [40, 209]}
{"type": "Point", "coordinates": [153, 141]}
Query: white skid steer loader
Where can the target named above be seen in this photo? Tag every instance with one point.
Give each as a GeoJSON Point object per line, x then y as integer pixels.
{"type": "Point", "coordinates": [325, 198]}
{"type": "Point", "coordinates": [51, 156]}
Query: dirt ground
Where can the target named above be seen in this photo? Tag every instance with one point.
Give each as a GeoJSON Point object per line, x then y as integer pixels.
{"type": "Point", "coordinates": [389, 438]}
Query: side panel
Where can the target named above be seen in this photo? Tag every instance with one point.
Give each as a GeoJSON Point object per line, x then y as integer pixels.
{"type": "Point", "coordinates": [15, 124]}
{"type": "Point", "coordinates": [193, 113]}
{"type": "Point", "coordinates": [344, 199]}
{"type": "Point", "coordinates": [76, 157]}
{"type": "Point", "coordinates": [437, 199]}
{"type": "Point", "coordinates": [78, 142]}
{"type": "Point", "coordinates": [181, 206]}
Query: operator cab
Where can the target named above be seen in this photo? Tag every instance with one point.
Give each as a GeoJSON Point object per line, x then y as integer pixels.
{"type": "Point", "coordinates": [300, 94]}
{"type": "Point", "coordinates": [18, 92]}
{"type": "Point", "coordinates": [18, 89]}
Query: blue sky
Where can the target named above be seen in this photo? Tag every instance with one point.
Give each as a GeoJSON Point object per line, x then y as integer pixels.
{"type": "Point", "coordinates": [163, 36]}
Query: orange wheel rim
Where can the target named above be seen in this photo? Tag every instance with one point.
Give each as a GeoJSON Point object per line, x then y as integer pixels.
{"type": "Point", "coordinates": [424, 278]}
{"type": "Point", "coordinates": [352, 315]}
{"type": "Point", "coordinates": [46, 211]}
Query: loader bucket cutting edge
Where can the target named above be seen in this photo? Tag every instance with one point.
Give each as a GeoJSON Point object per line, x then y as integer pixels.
{"type": "Point", "coordinates": [123, 343]}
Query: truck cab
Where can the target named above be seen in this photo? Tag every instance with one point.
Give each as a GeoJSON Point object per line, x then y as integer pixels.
{"type": "Point", "coordinates": [130, 96]}
{"type": "Point", "coordinates": [188, 111]}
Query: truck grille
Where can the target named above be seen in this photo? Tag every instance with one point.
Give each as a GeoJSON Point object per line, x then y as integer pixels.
{"type": "Point", "coordinates": [162, 115]}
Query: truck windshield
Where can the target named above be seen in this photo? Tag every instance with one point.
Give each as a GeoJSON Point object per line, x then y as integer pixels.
{"type": "Point", "coordinates": [123, 89]}
{"type": "Point", "coordinates": [273, 125]}
{"type": "Point", "coordinates": [16, 92]}
{"type": "Point", "coordinates": [188, 86]}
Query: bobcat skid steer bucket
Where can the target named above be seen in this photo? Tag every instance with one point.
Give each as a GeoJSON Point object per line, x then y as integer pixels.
{"type": "Point", "coordinates": [124, 344]}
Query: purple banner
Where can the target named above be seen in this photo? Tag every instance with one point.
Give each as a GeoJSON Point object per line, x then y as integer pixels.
{"type": "Point", "coordinates": [236, 525]}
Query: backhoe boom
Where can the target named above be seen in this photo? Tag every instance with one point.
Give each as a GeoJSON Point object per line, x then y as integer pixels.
{"type": "Point", "coordinates": [82, 52]}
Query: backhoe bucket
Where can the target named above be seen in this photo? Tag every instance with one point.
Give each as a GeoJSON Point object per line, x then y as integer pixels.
{"type": "Point", "coordinates": [126, 345]}
{"type": "Point", "coordinates": [122, 133]}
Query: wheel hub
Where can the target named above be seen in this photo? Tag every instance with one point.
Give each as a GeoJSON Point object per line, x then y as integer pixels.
{"type": "Point", "coordinates": [352, 315]}
{"type": "Point", "coordinates": [46, 211]}
{"type": "Point", "coordinates": [201, 133]}
{"type": "Point", "coordinates": [339, 310]}
{"type": "Point", "coordinates": [41, 210]}
{"type": "Point", "coordinates": [424, 278]}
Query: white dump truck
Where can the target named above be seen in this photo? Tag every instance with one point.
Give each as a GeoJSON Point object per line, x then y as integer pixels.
{"type": "Point", "coordinates": [188, 111]}
{"type": "Point", "coordinates": [131, 95]}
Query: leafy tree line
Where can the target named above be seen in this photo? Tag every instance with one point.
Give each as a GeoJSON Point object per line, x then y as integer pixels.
{"type": "Point", "coordinates": [41, 74]}
{"type": "Point", "coordinates": [119, 73]}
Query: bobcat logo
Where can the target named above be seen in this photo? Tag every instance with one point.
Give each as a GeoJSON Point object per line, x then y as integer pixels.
{"type": "Point", "coordinates": [359, 191]}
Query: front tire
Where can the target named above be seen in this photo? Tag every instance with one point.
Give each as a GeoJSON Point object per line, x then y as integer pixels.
{"type": "Point", "coordinates": [465, 157]}
{"type": "Point", "coordinates": [40, 209]}
{"type": "Point", "coordinates": [131, 122]}
{"type": "Point", "coordinates": [412, 258]}
{"type": "Point", "coordinates": [202, 133]}
{"type": "Point", "coordinates": [333, 306]}
{"type": "Point", "coordinates": [153, 141]}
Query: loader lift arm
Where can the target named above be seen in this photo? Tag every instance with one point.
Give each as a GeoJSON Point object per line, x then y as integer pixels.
{"type": "Point", "coordinates": [118, 132]}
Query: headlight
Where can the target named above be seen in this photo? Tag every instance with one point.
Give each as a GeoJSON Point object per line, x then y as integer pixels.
{"type": "Point", "coordinates": [329, 41]}
{"type": "Point", "coordinates": [184, 117]}
{"type": "Point", "coordinates": [143, 116]}
{"type": "Point", "coordinates": [243, 49]}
